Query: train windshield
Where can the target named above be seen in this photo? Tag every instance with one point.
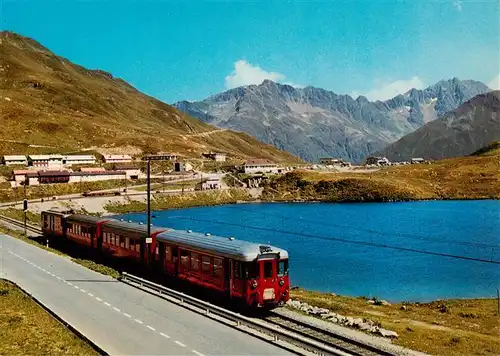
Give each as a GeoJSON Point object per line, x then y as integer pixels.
{"type": "Point", "coordinates": [283, 268]}
{"type": "Point", "coordinates": [250, 270]}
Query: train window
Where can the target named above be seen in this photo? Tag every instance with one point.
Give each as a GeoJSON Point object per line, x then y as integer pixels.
{"type": "Point", "coordinates": [184, 259]}
{"type": "Point", "coordinates": [127, 243]}
{"type": "Point", "coordinates": [237, 270]}
{"type": "Point", "coordinates": [205, 264]}
{"type": "Point", "coordinates": [69, 226]}
{"type": "Point", "coordinates": [168, 253]}
{"type": "Point", "coordinates": [250, 270]}
{"type": "Point", "coordinates": [217, 267]}
{"type": "Point", "coordinates": [283, 268]}
{"type": "Point", "coordinates": [195, 261]}
{"type": "Point", "coordinates": [268, 269]}
{"type": "Point", "coordinates": [137, 247]}
{"type": "Point", "coordinates": [45, 221]}
{"type": "Point", "coordinates": [122, 241]}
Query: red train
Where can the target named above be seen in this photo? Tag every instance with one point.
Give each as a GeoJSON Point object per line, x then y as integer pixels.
{"type": "Point", "coordinates": [255, 274]}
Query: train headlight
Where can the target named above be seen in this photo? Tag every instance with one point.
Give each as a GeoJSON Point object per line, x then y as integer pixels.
{"type": "Point", "coordinates": [254, 284]}
{"type": "Point", "coordinates": [282, 282]}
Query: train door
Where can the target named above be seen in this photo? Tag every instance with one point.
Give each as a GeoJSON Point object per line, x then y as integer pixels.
{"type": "Point", "coordinates": [268, 279]}
{"type": "Point", "coordinates": [237, 284]}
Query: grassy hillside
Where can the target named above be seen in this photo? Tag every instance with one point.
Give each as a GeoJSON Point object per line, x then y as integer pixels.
{"type": "Point", "coordinates": [472, 177]}
{"type": "Point", "coordinates": [50, 104]}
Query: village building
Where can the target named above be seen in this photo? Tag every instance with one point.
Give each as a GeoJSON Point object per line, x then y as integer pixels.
{"type": "Point", "coordinates": [92, 169]}
{"type": "Point", "coordinates": [117, 159]}
{"type": "Point", "coordinates": [183, 167]}
{"type": "Point", "coordinates": [378, 161]}
{"type": "Point", "coordinates": [20, 176]}
{"type": "Point", "coordinates": [15, 160]}
{"type": "Point", "coordinates": [216, 156]}
{"type": "Point", "coordinates": [81, 177]}
{"type": "Point", "coordinates": [168, 156]}
{"type": "Point", "coordinates": [209, 184]}
{"type": "Point", "coordinates": [258, 165]}
{"type": "Point", "coordinates": [417, 160]}
{"type": "Point", "coordinates": [70, 160]}
{"type": "Point", "coordinates": [131, 171]}
{"type": "Point", "coordinates": [51, 177]}
{"type": "Point", "coordinates": [47, 162]}
{"type": "Point", "coordinates": [331, 161]}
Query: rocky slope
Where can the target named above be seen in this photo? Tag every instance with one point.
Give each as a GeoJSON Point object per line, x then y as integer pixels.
{"type": "Point", "coordinates": [313, 122]}
{"type": "Point", "coordinates": [473, 125]}
{"type": "Point", "coordinates": [51, 104]}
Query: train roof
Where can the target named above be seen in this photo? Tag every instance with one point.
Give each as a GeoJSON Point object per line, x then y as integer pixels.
{"type": "Point", "coordinates": [85, 218]}
{"type": "Point", "coordinates": [223, 246]}
{"type": "Point", "coordinates": [132, 226]}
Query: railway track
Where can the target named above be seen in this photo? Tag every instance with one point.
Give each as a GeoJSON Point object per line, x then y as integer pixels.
{"type": "Point", "coordinates": [330, 338]}
{"type": "Point", "coordinates": [20, 224]}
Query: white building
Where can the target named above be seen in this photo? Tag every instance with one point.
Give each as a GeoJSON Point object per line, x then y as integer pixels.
{"type": "Point", "coordinates": [131, 171]}
{"type": "Point", "coordinates": [210, 183]}
{"type": "Point", "coordinates": [48, 162]}
{"type": "Point", "coordinates": [15, 160]}
{"type": "Point", "coordinates": [117, 159]}
{"type": "Point", "coordinates": [81, 177]}
{"type": "Point", "coordinates": [70, 160]}
{"type": "Point", "coordinates": [217, 156]}
{"type": "Point", "coordinates": [260, 166]}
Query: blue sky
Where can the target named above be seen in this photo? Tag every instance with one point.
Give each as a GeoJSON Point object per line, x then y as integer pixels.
{"type": "Point", "coordinates": [176, 50]}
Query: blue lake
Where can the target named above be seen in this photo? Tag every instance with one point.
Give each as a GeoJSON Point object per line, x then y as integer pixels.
{"type": "Point", "coordinates": [339, 247]}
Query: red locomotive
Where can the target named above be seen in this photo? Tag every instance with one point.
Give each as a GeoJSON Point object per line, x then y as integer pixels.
{"type": "Point", "coordinates": [255, 274]}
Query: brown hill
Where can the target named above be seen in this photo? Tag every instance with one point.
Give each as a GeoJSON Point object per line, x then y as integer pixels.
{"type": "Point", "coordinates": [48, 101]}
{"type": "Point", "coordinates": [460, 132]}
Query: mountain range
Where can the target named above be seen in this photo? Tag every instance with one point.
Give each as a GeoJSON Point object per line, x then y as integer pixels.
{"type": "Point", "coordinates": [313, 122]}
{"type": "Point", "coordinates": [50, 104]}
{"type": "Point", "coordinates": [473, 125]}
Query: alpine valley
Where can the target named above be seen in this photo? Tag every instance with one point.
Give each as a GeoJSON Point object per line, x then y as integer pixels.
{"type": "Point", "coordinates": [312, 122]}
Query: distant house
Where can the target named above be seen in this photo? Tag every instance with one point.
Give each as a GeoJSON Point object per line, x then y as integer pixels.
{"type": "Point", "coordinates": [131, 171]}
{"type": "Point", "coordinates": [208, 184]}
{"type": "Point", "coordinates": [117, 159]}
{"type": "Point", "coordinates": [20, 175]}
{"type": "Point", "coordinates": [378, 161]}
{"type": "Point", "coordinates": [333, 162]}
{"type": "Point", "coordinates": [50, 177]}
{"type": "Point", "coordinates": [259, 165]}
{"type": "Point", "coordinates": [80, 177]}
{"type": "Point", "coordinates": [47, 162]}
{"type": "Point", "coordinates": [92, 169]}
{"type": "Point", "coordinates": [70, 160]}
{"type": "Point", "coordinates": [168, 156]}
{"type": "Point", "coordinates": [217, 156]}
{"type": "Point", "coordinates": [15, 160]}
{"type": "Point", "coordinates": [183, 167]}
{"type": "Point", "coordinates": [417, 160]}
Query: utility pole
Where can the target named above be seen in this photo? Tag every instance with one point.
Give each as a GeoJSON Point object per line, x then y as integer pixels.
{"type": "Point", "coordinates": [25, 204]}
{"type": "Point", "coordinates": [148, 160]}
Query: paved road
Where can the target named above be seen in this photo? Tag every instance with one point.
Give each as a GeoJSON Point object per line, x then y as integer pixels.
{"type": "Point", "coordinates": [119, 318]}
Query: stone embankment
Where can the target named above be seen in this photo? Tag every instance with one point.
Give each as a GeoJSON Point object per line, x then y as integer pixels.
{"type": "Point", "coordinates": [357, 323]}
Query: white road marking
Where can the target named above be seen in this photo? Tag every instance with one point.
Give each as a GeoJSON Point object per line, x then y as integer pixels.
{"type": "Point", "coordinates": [150, 328]}
{"type": "Point", "coordinates": [59, 278]}
{"type": "Point", "coordinates": [116, 309]}
{"type": "Point", "coordinates": [76, 287]}
{"type": "Point", "coordinates": [83, 290]}
{"type": "Point", "coordinates": [99, 299]}
{"type": "Point", "coordinates": [197, 353]}
{"type": "Point", "coordinates": [69, 283]}
{"type": "Point", "coordinates": [138, 321]}
{"type": "Point", "coordinates": [180, 343]}
{"type": "Point", "coordinates": [165, 335]}
{"type": "Point", "coordinates": [90, 294]}
{"type": "Point", "coordinates": [107, 304]}
{"type": "Point", "coordinates": [127, 315]}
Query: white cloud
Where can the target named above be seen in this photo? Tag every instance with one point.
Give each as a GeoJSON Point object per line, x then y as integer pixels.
{"type": "Point", "coordinates": [458, 5]}
{"type": "Point", "coordinates": [245, 73]}
{"type": "Point", "coordinates": [390, 90]}
{"type": "Point", "coordinates": [494, 83]}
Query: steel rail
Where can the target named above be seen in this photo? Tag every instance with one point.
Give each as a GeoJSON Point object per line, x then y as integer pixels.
{"type": "Point", "coordinates": [329, 337]}
{"type": "Point", "coordinates": [18, 223]}
{"type": "Point", "coordinates": [238, 321]}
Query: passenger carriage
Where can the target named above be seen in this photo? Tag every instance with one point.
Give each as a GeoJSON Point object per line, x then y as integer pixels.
{"type": "Point", "coordinates": [256, 274]}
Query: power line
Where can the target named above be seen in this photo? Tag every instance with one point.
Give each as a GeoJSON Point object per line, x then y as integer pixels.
{"type": "Point", "coordinates": [339, 239]}
{"type": "Point", "coordinates": [376, 232]}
